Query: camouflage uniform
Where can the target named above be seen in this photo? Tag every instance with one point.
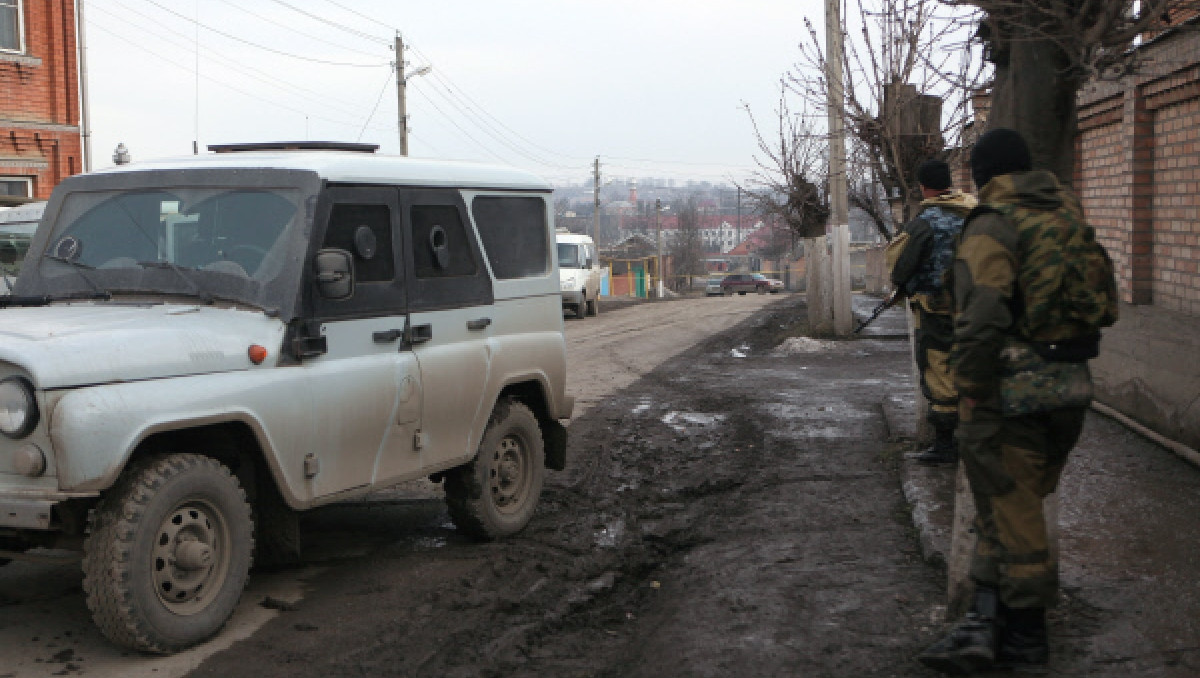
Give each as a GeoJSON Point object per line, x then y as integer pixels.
{"type": "Point", "coordinates": [925, 252]}
{"type": "Point", "coordinates": [1022, 373]}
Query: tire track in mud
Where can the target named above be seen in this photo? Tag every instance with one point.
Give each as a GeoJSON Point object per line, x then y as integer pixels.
{"type": "Point", "coordinates": [719, 543]}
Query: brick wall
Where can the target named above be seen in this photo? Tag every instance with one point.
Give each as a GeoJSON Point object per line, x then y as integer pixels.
{"type": "Point", "coordinates": [1138, 173]}
{"type": "Point", "coordinates": [39, 99]}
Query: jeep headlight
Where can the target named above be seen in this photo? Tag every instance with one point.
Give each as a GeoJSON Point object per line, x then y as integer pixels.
{"type": "Point", "coordinates": [18, 409]}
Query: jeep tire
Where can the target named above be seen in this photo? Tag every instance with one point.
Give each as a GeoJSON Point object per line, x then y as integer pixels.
{"type": "Point", "coordinates": [167, 554]}
{"type": "Point", "coordinates": [495, 495]}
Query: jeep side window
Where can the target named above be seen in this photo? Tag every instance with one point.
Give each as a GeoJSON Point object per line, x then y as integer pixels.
{"type": "Point", "coordinates": [513, 231]}
{"type": "Point", "coordinates": [372, 248]}
{"type": "Point", "coordinates": [441, 248]}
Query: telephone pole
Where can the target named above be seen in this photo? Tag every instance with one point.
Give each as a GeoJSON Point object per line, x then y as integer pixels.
{"type": "Point", "coordinates": [401, 103]}
{"type": "Point", "coordinates": [843, 316]}
{"type": "Point", "coordinates": [596, 205]}
{"type": "Point", "coordinates": [658, 239]}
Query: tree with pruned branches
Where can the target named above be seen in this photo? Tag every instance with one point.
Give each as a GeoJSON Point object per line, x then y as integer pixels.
{"type": "Point", "coordinates": [1044, 51]}
{"type": "Point", "coordinates": [907, 86]}
{"type": "Point", "coordinates": [790, 181]}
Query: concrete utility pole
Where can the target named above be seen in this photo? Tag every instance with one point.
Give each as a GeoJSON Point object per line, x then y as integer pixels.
{"type": "Point", "coordinates": [401, 97]}
{"type": "Point", "coordinates": [596, 205]}
{"type": "Point", "coordinates": [739, 215]}
{"type": "Point", "coordinates": [85, 133]}
{"type": "Point", "coordinates": [658, 238]}
{"type": "Point", "coordinates": [843, 316]}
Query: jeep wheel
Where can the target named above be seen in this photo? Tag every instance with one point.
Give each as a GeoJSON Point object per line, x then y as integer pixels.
{"type": "Point", "coordinates": [593, 307]}
{"type": "Point", "coordinates": [495, 495]}
{"type": "Point", "coordinates": [167, 554]}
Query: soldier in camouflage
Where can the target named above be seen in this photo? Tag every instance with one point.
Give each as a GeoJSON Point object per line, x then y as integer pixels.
{"type": "Point", "coordinates": [1032, 289]}
{"type": "Point", "coordinates": [923, 252]}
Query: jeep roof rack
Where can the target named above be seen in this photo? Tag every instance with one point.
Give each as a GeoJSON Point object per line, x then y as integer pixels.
{"type": "Point", "coordinates": [294, 146]}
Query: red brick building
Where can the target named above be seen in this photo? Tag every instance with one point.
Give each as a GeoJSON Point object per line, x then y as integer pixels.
{"type": "Point", "coordinates": [40, 142]}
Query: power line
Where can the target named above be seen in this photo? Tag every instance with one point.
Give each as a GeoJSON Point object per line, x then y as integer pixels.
{"type": "Point", "coordinates": [262, 47]}
{"type": "Point", "coordinates": [361, 15]}
{"type": "Point", "coordinates": [327, 22]}
{"type": "Point", "coordinates": [172, 62]}
{"type": "Point", "coordinates": [386, 82]}
{"type": "Point", "coordinates": [310, 36]}
{"type": "Point", "coordinates": [503, 141]}
{"type": "Point", "coordinates": [321, 98]}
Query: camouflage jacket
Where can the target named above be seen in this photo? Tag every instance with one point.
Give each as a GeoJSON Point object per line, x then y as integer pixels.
{"type": "Point", "coordinates": [985, 275]}
{"type": "Point", "coordinates": [928, 250]}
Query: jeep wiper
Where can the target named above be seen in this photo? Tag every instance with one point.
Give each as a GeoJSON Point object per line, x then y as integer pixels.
{"type": "Point", "coordinates": [79, 267]}
{"type": "Point", "coordinates": [196, 291]}
{"type": "Point", "coordinates": [8, 300]}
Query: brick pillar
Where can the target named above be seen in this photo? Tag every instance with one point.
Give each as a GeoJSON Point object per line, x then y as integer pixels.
{"type": "Point", "coordinates": [1140, 156]}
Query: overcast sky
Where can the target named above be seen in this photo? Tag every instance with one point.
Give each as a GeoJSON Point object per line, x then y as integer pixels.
{"type": "Point", "coordinates": [654, 87]}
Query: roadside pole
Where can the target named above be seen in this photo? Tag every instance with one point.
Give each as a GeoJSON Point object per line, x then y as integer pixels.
{"type": "Point", "coordinates": [401, 99]}
{"type": "Point", "coordinates": [658, 239]}
{"type": "Point", "coordinates": [596, 205]}
{"type": "Point", "coordinates": [839, 266]}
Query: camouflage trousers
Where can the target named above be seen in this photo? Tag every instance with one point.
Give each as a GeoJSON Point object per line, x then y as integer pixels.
{"type": "Point", "coordinates": [933, 335]}
{"type": "Point", "coordinates": [1012, 463]}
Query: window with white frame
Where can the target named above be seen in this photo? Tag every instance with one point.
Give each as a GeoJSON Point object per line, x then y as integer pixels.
{"type": "Point", "coordinates": [21, 187]}
{"type": "Point", "coordinates": [12, 29]}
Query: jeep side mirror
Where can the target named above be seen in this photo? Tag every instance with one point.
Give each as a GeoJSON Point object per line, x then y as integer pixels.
{"type": "Point", "coordinates": [335, 273]}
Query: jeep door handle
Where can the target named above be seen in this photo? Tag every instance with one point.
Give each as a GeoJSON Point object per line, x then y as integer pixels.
{"type": "Point", "coordinates": [419, 334]}
{"type": "Point", "coordinates": [387, 336]}
{"type": "Point", "coordinates": [479, 323]}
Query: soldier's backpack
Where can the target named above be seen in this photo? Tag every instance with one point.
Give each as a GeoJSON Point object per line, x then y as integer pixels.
{"type": "Point", "coordinates": [1066, 290]}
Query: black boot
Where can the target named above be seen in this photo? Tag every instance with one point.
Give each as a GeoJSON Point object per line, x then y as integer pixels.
{"type": "Point", "coordinates": [1023, 642]}
{"type": "Point", "coordinates": [943, 451]}
{"type": "Point", "coordinates": [970, 646]}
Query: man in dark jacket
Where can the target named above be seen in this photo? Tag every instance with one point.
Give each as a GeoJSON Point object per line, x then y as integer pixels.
{"type": "Point", "coordinates": [1031, 289]}
{"type": "Point", "coordinates": [923, 252]}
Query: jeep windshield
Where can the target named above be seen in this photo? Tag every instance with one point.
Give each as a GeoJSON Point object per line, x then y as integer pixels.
{"type": "Point", "coordinates": [243, 244]}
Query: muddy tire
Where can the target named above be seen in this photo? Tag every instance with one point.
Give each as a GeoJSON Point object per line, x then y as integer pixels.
{"type": "Point", "coordinates": [495, 495]}
{"type": "Point", "coordinates": [168, 552]}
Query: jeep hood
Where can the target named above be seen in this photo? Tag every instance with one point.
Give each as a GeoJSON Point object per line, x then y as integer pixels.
{"type": "Point", "coordinates": [80, 344]}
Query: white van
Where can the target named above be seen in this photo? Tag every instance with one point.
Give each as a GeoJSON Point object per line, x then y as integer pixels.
{"type": "Point", "coordinates": [579, 273]}
{"type": "Point", "coordinates": [197, 349]}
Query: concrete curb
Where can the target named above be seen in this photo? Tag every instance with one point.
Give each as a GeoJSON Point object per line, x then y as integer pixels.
{"type": "Point", "coordinates": [929, 490]}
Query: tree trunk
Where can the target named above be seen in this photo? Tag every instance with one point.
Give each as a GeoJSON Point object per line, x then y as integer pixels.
{"type": "Point", "coordinates": [1034, 93]}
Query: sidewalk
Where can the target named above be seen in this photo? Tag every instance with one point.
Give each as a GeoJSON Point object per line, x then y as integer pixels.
{"type": "Point", "coordinates": [1129, 539]}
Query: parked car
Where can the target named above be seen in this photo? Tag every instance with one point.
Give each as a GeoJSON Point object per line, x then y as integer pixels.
{"type": "Point", "coordinates": [579, 273]}
{"type": "Point", "coordinates": [712, 288]}
{"type": "Point", "coordinates": [197, 349]}
{"type": "Point", "coordinates": [17, 225]}
{"type": "Point", "coordinates": [749, 282]}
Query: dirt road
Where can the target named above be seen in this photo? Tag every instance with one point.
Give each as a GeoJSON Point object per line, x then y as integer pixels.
{"type": "Point", "coordinates": [734, 512]}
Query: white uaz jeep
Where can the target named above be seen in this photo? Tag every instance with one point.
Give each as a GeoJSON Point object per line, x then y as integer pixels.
{"type": "Point", "coordinates": [196, 349]}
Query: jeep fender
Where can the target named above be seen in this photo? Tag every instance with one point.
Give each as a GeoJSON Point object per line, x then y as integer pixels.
{"type": "Point", "coordinates": [95, 430]}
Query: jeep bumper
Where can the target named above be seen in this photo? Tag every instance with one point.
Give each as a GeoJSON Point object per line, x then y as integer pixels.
{"type": "Point", "coordinates": [571, 299]}
{"type": "Point", "coordinates": [29, 514]}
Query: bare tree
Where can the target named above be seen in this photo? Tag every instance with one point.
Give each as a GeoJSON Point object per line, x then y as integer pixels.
{"type": "Point", "coordinates": [791, 175]}
{"type": "Point", "coordinates": [907, 87]}
{"type": "Point", "coordinates": [1044, 51]}
{"type": "Point", "coordinates": [687, 248]}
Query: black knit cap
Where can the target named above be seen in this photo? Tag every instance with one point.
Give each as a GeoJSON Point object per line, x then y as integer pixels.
{"type": "Point", "coordinates": [935, 175]}
{"type": "Point", "coordinates": [999, 151]}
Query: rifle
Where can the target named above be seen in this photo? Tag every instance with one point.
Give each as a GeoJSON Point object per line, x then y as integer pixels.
{"type": "Point", "coordinates": [887, 303]}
